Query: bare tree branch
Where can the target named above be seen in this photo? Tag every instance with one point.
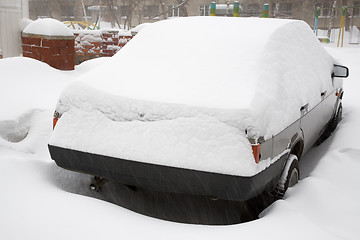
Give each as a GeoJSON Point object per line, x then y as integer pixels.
{"type": "Point", "coordinates": [181, 4]}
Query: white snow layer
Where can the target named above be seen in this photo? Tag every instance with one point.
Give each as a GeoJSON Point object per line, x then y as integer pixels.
{"type": "Point", "coordinates": [23, 23]}
{"type": "Point", "coordinates": [243, 73]}
{"type": "Point", "coordinates": [48, 27]}
{"type": "Point", "coordinates": [34, 204]}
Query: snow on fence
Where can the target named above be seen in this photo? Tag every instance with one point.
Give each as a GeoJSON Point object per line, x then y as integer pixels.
{"type": "Point", "coordinates": [50, 41]}
{"type": "Point", "coordinates": [91, 44]}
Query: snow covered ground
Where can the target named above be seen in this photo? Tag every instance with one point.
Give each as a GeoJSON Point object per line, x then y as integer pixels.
{"type": "Point", "coordinates": [37, 200]}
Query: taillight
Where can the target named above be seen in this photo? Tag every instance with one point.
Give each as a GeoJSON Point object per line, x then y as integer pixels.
{"type": "Point", "coordinates": [54, 122]}
{"type": "Point", "coordinates": [56, 118]}
{"type": "Point", "coordinates": [256, 152]}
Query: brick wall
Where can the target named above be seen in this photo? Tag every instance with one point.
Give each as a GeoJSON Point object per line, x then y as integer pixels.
{"type": "Point", "coordinates": [91, 44]}
{"type": "Point", "coordinates": [57, 51]}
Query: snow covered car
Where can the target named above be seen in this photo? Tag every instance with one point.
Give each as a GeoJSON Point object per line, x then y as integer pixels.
{"type": "Point", "coordinates": [210, 106]}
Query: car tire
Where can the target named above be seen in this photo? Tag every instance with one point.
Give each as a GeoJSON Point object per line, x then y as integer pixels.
{"type": "Point", "coordinates": [337, 117]}
{"type": "Point", "coordinates": [293, 174]}
{"type": "Point", "coordinates": [289, 177]}
{"type": "Point", "coordinates": [331, 126]}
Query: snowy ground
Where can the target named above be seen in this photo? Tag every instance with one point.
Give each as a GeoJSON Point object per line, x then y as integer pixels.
{"type": "Point", "coordinates": [37, 200]}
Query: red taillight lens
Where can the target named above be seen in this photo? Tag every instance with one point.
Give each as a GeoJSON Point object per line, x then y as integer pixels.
{"type": "Point", "coordinates": [54, 122]}
{"type": "Point", "coordinates": [56, 118]}
{"type": "Point", "coordinates": [256, 152]}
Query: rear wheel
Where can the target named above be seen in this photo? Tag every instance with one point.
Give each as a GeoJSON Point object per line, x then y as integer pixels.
{"type": "Point", "coordinates": [331, 126]}
{"type": "Point", "coordinates": [337, 117]}
{"type": "Point", "coordinates": [289, 177]}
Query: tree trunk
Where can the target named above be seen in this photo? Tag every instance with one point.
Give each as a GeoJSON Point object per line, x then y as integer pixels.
{"type": "Point", "coordinates": [182, 4]}
{"type": "Point", "coordinates": [276, 10]}
{"type": "Point", "coordinates": [347, 15]}
{"type": "Point", "coordinates": [163, 9]}
{"type": "Point", "coordinates": [332, 16]}
{"type": "Point", "coordinates": [111, 6]}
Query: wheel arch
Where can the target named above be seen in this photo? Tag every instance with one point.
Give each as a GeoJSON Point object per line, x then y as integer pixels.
{"type": "Point", "coordinates": [297, 145]}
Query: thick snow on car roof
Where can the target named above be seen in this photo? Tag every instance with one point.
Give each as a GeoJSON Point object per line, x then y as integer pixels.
{"type": "Point", "coordinates": [201, 61]}
{"type": "Point", "coordinates": [265, 68]}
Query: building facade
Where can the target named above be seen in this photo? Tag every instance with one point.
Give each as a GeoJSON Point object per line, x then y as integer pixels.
{"type": "Point", "coordinates": [130, 13]}
{"type": "Point", "coordinates": [11, 12]}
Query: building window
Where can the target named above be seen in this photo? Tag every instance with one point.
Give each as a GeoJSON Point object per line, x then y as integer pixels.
{"type": "Point", "coordinates": [204, 10]}
{"type": "Point", "coordinates": [356, 9]}
{"type": "Point", "coordinates": [285, 10]}
{"type": "Point", "coordinates": [174, 12]}
{"type": "Point", "coordinates": [324, 12]}
{"type": "Point", "coordinates": [67, 12]}
{"type": "Point", "coordinates": [253, 10]}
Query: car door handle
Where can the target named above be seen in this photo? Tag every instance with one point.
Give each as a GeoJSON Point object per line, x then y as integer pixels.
{"type": "Point", "coordinates": [323, 94]}
{"type": "Point", "coordinates": [304, 109]}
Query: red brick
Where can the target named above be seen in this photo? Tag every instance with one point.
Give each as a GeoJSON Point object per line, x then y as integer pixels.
{"type": "Point", "coordinates": [54, 64]}
{"type": "Point", "coordinates": [106, 51]}
{"type": "Point", "coordinates": [88, 46]}
{"type": "Point", "coordinates": [96, 44]}
{"type": "Point", "coordinates": [45, 57]}
{"type": "Point", "coordinates": [35, 41]}
{"type": "Point", "coordinates": [47, 43]}
{"type": "Point", "coordinates": [79, 54]}
{"type": "Point", "coordinates": [107, 44]}
{"type": "Point", "coordinates": [26, 48]}
{"type": "Point", "coordinates": [66, 51]}
{"type": "Point", "coordinates": [96, 50]}
{"type": "Point", "coordinates": [107, 35]}
{"type": "Point", "coordinates": [36, 50]}
{"type": "Point", "coordinates": [58, 58]}
{"type": "Point", "coordinates": [70, 58]}
{"type": "Point", "coordinates": [55, 50]}
{"type": "Point", "coordinates": [61, 43]}
{"type": "Point", "coordinates": [25, 40]}
{"type": "Point", "coordinates": [31, 41]}
{"type": "Point", "coordinates": [51, 50]}
{"type": "Point", "coordinates": [70, 43]}
{"type": "Point", "coordinates": [27, 54]}
{"type": "Point", "coordinates": [36, 56]}
{"type": "Point", "coordinates": [54, 43]}
{"type": "Point", "coordinates": [63, 66]}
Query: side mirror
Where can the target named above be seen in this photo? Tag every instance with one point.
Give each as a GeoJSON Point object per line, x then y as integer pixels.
{"type": "Point", "coordinates": [340, 71]}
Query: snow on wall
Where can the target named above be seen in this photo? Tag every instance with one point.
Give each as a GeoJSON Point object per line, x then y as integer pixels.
{"type": "Point", "coordinates": [91, 44]}
{"type": "Point", "coordinates": [48, 27]}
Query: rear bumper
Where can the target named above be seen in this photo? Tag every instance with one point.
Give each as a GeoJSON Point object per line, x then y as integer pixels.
{"type": "Point", "coordinates": [169, 179]}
